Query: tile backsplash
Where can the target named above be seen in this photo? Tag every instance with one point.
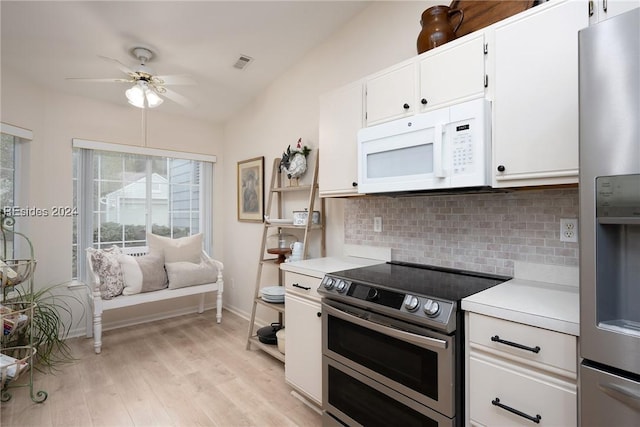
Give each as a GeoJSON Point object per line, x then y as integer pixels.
{"type": "Point", "coordinates": [485, 232]}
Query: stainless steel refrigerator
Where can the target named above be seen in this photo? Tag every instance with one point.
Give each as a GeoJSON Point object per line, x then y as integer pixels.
{"type": "Point", "coordinates": [609, 378]}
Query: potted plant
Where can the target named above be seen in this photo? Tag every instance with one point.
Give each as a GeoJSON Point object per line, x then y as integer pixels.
{"type": "Point", "coordinates": [49, 325]}
{"type": "Point", "coordinates": [32, 318]}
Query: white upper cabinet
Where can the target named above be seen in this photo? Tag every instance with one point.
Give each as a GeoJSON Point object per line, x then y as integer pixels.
{"type": "Point", "coordinates": [600, 10]}
{"type": "Point", "coordinates": [526, 65]}
{"type": "Point", "coordinates": [391, 94]}
{"type": "Point", "coordinates": [455, 72]}
{"type": "Point", "coordinates": [341, 117]}
{"type": "Point", "coordinates": [535, 105]}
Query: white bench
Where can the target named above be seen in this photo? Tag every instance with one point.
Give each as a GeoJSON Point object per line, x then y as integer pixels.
{"type": "Point", "coordinates": [100, 305]}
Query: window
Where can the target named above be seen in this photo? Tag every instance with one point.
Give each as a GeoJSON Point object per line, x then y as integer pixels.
{"type": "Point", "coordinates": [7, 170]}
{"type": "Point", "coordinates": [10, 142]}
{"type": "Point", "coordinates": [122, 195]}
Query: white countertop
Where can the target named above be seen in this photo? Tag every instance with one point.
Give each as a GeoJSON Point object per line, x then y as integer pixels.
{"type": "Point", "coordinates": [542, 304]}
{"type": "Point", "coordinates": [318, 267]}
{"type": "Point", "coordinates": [545, 305]}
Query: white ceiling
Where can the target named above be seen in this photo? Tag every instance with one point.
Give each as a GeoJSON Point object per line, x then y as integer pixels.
{"type": "Point", "coordinates": [50, 41]}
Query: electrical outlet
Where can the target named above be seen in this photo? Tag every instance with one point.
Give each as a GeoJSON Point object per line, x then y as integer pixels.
{"type": "Point", "coordinates": [377, 224]}
{"type": "Point", "coordinates": [569, 230]}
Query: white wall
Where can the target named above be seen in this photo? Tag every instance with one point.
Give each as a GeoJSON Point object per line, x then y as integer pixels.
{"type": "Point", "coordinates": [55, 120]}
{"type": "Point", "coordinates": [383, 34]}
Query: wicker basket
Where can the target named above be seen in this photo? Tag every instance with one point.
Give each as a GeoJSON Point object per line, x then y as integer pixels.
{"type": "Point", "coordinates": [15, 271]}
{"type": "Point", "coordinates": [14, 361]}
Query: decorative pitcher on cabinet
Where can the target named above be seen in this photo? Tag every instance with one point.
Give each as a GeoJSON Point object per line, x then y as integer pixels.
{"type": "Point", "coordinates": [437, 27]}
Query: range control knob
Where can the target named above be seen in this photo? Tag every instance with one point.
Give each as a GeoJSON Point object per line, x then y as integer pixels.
{"type": "Point", "coordinates": [431, 308]}
{"type": "Point", "coordinates": [372, 295]}
{"type": "Point", "coordinates": [329, 283]}
{"type": "Point", "coordinates": [341, 286]}
{"type": "Point", "coordinates": [411, 303]}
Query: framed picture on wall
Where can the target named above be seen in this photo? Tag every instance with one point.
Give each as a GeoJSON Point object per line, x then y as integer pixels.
{"type": "Point", "coordinates": [251, 190]}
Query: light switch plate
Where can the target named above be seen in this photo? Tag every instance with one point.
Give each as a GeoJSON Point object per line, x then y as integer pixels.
{"type": "Point", "coordinates": [377, 224]}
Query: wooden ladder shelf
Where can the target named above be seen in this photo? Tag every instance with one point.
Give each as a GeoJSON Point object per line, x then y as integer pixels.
{"type": "Point", "coordinates": [279, 191]}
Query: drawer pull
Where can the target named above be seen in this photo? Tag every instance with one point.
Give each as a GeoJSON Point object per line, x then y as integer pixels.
{"type": "Point", "coordinates": [295, 285]}
{"type": "Point", "coordinates": [497, 403]}
{"type": "Point", "coordinates": [535, 349]}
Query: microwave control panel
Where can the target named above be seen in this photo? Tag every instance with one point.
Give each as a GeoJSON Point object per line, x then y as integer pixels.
{"type": "Point", "coordinates": [463, 156]}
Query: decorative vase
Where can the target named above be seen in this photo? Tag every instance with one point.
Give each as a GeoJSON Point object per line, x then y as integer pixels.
{"type": "Point", "coordinates": [437, 27]}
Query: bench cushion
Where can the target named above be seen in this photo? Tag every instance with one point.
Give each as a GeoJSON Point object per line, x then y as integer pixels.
{"type": "Point", "coordinates": [176, 250]}
{"type": "Point", "coordinates": [142, 274]}
{"type": "Point", "coordinates": [107, 268]}
{"type": "Point", "coordinates": [182, 274]}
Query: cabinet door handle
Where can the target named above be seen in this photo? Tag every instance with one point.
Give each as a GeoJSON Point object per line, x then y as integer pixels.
{"type": "Point", "coordinates": [319, 314]}
{"type": "Point", "coordinates": [497, 403]}
{"type": "Point", "coordinates": [604, 5]}
{"type": "Point", "coordinates": [535, 349]}
{"type": "Point", "coordinates": [423, 101]}
{"type": "Point", "coordinates": [590, 7]}
{"type": "Point", "coordinates": [354, 184]}
{"type": "Point", "coordinates": [501, 168]}
{"type": "Point", "coordinates": [405, 106]}
{"type": "Point", "coordinates": [295, 285]}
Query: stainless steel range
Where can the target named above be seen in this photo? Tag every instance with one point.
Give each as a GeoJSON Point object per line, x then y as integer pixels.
{"type": "Point", "coordinates": [393, 344]}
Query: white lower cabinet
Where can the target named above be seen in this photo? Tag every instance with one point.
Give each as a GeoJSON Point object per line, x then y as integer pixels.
{"type": "Point", "coordinates": [520, 375]}
{"type": "Point", "coordinates": [303, 346]}
{"type": "Point", "coordinates": [497, 388]}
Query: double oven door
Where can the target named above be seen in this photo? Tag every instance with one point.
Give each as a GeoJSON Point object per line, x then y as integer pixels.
{"type": "Point", "coordinates": [380, 371]}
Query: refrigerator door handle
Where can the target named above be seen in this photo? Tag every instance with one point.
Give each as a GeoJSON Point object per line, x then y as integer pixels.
{"type": "Point", "coordinates": [622, 394]}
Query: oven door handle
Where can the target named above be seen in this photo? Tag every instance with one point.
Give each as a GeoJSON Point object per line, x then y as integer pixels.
{"type": "Point", "coordinates": [392, 332]}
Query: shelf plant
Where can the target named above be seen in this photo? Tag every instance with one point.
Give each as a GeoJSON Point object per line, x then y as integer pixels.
{"type": "Point", "coordinates": [48, 307]}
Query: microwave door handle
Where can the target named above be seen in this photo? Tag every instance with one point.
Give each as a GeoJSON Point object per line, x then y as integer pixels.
{"type": "Point", "coordinates": [438, 170]}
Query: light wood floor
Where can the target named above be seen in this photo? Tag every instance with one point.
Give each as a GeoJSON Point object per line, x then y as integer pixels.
{"type": "Point", "coordinates": [186, 371]}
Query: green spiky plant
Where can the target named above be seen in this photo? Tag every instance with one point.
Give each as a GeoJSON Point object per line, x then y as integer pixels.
{"type": "Point", "coordinates": [49, 328]}
{"type": "Point", "coordinates": [49, 311]}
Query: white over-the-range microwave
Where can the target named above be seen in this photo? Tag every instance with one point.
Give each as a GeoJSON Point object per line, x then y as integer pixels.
{"type": "Point", "coordinates": [442, 149]}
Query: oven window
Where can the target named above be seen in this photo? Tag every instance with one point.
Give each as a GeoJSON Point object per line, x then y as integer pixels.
{"type": "Point", "coordinates": [370, 407]}
{"type": "Point", "coordinates": [405, 363]}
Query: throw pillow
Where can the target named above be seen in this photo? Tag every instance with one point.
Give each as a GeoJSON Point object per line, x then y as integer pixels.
{"type": "Point", "coordinates": [182, 274]}
{"type": "Point", "coordinates": [142, 274]}
{"type": "Point", "coordinates": [184, 249]}
{"type": "Point", "coordinates": [105, 265]}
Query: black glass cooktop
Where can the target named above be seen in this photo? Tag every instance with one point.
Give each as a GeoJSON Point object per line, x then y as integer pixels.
{"type": "Point", "coordinates": [425, 280]}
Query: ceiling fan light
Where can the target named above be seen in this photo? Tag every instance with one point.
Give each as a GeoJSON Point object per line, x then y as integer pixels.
{"type": "Point", "coordinates": [135, 95]}
{"type": "Point", "coordinates": [153, 100]}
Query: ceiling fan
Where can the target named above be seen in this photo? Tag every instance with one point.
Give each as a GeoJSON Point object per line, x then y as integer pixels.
{"type": "Point", "coordinates": [148, 88]}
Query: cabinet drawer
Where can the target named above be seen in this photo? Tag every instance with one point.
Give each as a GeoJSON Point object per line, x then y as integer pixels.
{"type": "Point", "coordinates": [557, 351]}
{"type": "Point", "coordinates": [521, 389]}
{"type": "Point", "coordinates": [302, 285]}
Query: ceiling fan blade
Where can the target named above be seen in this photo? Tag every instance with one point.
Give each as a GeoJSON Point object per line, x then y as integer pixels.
{"type": "Point", "coordinates": [125, 69]}
{"type": "Point", "coordinates": [177, 79]}
{"type": "Point", "coordinates": [177, 98]}
{"type": "Point", "coordinates": [81, 79]}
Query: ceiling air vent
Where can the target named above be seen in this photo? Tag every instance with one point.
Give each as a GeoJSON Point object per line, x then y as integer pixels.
{"type": "Point", "coordinates": [242, 62]}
